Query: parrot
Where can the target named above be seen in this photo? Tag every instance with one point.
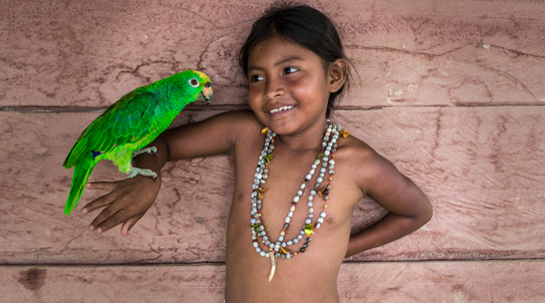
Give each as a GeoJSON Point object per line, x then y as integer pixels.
{"type": "Point", "coordinates": [130, 124]}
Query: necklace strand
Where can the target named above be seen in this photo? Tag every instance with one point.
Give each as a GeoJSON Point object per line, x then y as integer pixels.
{"type": "Point", "coordinates": [326, 157]}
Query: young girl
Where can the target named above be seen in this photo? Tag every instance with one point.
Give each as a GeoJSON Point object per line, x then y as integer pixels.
{"type": "Point", "coordinates": [290, 218]}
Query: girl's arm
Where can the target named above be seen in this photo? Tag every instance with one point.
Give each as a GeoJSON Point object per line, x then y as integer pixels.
{"type": "Point", "coordinates": [129, 199]}
{"type": "Point", "coordinates": [408, 207]}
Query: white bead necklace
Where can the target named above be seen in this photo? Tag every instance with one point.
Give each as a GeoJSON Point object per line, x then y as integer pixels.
{"type": "Point", "coordinates": [326, 157]}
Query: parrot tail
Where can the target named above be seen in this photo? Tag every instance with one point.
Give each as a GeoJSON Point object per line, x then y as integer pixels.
{"type": "Point", "coordinates": [81, 174]}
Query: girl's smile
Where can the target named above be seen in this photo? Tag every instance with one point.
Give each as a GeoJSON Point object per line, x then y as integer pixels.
{"type": "Point", "coordinates": [281, 109]}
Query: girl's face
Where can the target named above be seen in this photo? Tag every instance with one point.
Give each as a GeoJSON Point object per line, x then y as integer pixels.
{"type": "Point", "coordinates": [288, 86]}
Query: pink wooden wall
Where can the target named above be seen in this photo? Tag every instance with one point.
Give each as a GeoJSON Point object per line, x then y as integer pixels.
{"type": "Point", "coordinates": [452, 92]}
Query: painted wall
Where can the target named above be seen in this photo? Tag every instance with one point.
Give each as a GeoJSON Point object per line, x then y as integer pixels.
{"type": "Point", "coordinates": [452, 92]}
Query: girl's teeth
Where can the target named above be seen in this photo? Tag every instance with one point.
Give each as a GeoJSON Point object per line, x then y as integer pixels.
{"type": "Point", "coordinates": [276, 110]}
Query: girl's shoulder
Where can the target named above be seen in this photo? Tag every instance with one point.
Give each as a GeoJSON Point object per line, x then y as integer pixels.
{"type": "Point", "coordinates": [239, 125]}
{"type": "Point", "coordinates": [365, 165]}
{"type": "Point", "coordinates": [355, 149]}
{"type": "Point", "coordinates": [242, 120]}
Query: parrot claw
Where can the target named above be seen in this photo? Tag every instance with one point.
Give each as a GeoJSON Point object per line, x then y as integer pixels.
{"type": "Point", "coordinates": [152, 150]}
{"type": "Point", "coordinates": [135, 171]}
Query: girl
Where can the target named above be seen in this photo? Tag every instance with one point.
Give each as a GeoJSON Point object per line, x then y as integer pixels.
{"type": "Point", "coordinates": [289, 224]}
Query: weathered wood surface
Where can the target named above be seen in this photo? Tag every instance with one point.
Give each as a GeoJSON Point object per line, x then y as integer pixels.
{"type": "Point", "coordinates": [482, 168]}
{"type": "Point", "coordinates": [460, 282]}
{"type": "Point", "coordinates": [422, 52]}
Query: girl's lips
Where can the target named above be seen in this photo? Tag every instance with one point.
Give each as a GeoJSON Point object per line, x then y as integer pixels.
{"type": "Point", "coordinates": [281, 109]}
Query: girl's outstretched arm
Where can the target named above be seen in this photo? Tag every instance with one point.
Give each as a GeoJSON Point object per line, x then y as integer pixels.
{"type": "Point", "coordinates": [128, 200]}
{"type": "Point", "coordinates": [408, 207]}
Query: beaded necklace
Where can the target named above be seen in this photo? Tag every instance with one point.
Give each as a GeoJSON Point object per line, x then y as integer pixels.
{"type": "Point", "coordinates": [326, 157]}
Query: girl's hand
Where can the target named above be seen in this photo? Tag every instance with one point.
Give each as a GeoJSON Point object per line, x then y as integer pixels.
{"type": "Point", "coordinates": [127, 201]}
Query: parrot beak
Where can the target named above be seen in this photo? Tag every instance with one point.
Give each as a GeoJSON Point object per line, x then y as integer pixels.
{"type": "Point", "coordinates": [206, 93]}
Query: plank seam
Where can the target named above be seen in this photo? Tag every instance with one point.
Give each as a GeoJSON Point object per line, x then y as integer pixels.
{"type": "Point", "coordinates": [74, 109]}
{"type": "Point", "coordinates": [218, 264]}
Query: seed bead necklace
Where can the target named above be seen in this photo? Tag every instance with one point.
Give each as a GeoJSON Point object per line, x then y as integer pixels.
{"type": "Point", "coordinates": [278, 249]}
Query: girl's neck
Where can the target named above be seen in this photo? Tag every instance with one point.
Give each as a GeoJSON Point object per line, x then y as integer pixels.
{"type": "Point", "coordinates": [308, 140]}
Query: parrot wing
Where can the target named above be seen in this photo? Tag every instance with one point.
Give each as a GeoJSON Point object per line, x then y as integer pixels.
{"type": "Point", "coordinates": [125, 121]}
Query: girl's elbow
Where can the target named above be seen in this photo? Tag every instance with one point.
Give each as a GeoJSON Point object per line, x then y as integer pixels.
{"type": "Point", "coordinates": [427, 212]}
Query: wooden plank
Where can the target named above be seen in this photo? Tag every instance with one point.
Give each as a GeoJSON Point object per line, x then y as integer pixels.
{"type": "Point", "coordinates": [476, 74]}
{"type": "Point", "coordinates": [491, 281]}
{"type": "Point", "coordinates": [113, 284]}
{"type": "Point", "coordinates": [488, 281]}
{"type": "Point", "coordinates": [481, 167]}
{"type": "Point", "coordinates": [424, 52]}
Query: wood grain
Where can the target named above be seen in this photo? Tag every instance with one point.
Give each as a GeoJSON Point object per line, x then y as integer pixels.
{"type": "Point", "coordinates": [491, 281]}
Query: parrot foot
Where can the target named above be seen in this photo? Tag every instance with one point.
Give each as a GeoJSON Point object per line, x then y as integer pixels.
{"type": "Point", "coordinates": [135, 171]}
{"type": "Point", "coordinates": [152, 150]}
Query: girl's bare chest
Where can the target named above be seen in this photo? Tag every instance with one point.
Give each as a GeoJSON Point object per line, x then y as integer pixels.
{"type": "Point", "coordinates": [292, 197]}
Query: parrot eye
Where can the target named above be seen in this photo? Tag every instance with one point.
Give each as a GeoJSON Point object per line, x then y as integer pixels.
{"type": "Point", "coordinates": [194, 82]}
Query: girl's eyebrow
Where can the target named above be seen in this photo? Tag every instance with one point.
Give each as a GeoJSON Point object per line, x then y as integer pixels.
{"type": "Point", "coordinates": [289, 59]}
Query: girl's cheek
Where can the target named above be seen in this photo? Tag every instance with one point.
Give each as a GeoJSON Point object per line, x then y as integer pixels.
{"type": "Point", "coordinates": [253, 99]}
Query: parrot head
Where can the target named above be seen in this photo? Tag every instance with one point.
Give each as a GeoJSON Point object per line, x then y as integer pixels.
{"type": "Point", "coordinates": [185, 87]}
{"type": "Point", "coordinates": [200, 81]}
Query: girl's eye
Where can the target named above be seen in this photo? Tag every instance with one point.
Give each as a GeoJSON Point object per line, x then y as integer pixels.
{"type": "Point", "coordinates": [255, 78]}
{"type": "Point", "coordinates": [290, 70]}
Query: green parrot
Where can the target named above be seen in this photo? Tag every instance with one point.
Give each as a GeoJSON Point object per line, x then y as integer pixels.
{"type": "Point", "coordinates": [130, 124]}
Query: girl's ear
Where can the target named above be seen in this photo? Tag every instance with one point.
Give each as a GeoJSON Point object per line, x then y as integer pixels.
{"type": "Point", "coordinates": [338, 71]}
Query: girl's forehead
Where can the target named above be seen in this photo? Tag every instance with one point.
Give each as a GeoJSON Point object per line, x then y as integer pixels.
{"type": "Point", "coordinates": [279, 49]}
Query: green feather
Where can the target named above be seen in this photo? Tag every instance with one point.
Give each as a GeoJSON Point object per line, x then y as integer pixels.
{"type": "Point", "coordinates": [79, 179]}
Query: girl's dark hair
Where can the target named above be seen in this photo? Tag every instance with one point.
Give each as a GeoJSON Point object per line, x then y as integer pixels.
{"type": "Point", "coordinates": [303, 25]}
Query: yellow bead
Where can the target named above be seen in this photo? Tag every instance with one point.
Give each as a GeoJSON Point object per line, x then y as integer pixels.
{"type": "Point", "coordinates": [309, 229]}
{"type": "Point", "coordinates": [264, 131]}
{"type": "Point", "coordinates": [284, 250]}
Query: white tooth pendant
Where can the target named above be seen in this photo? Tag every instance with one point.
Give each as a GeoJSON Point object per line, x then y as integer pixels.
{"type": "Point", "coordinates": [273, 265]}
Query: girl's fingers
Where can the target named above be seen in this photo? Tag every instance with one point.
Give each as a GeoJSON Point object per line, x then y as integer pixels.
{"type": "Point", "coordinates": [101, 185]}
{"type": "Point", "coordinates": [98, 202]}
{"type": "Point", "coordinates": [125, 203]}
{"type": "Point", "coordinates": [106, 219]}
{"type": "Point", "coordinates": [128, 224]}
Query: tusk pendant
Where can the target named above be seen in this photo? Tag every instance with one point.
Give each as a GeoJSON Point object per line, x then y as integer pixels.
{"type": "Point", "coordinates": [273, 265]}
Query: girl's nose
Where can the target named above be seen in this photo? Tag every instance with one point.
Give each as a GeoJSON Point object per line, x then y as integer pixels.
{"type": "Point", "coordinates": [274, 89]}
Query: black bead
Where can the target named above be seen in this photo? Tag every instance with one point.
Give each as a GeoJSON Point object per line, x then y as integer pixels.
{"type": "Point", "coordinates": [303, 249]}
